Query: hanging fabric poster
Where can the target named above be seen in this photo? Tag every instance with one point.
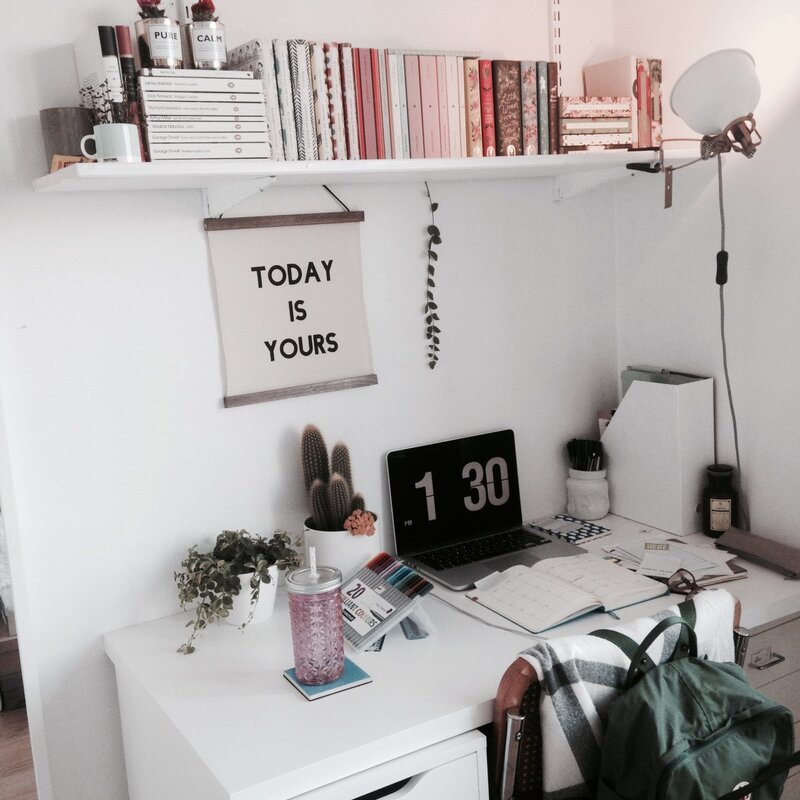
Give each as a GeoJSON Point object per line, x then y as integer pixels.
{"type": "Point", "coordinates": [291, 305]}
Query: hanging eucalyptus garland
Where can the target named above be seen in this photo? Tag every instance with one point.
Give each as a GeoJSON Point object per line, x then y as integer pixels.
{"type": "Point", "coordinates": [430, 308]}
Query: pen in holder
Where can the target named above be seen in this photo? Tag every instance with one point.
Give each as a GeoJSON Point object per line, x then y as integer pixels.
{"type": "Point", "coordinates": [587, 487]}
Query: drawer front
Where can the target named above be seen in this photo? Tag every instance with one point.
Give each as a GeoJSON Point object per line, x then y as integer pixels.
{"type": "Point", "coordinates": [773, 653]}
{"type": "Point", "coordinates": [785, 691]}
{"type": "Point", "coordinates": [458, 780]}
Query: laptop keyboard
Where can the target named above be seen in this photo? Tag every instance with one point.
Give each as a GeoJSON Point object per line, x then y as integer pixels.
{"type": "Point", "coordinates": [457, 555]}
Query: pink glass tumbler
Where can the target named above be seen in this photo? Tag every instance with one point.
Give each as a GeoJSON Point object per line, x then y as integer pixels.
{"type": "Point", "coordinates": [315, 610]}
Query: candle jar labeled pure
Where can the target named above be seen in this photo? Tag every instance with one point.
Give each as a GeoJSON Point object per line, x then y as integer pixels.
{"type": "Point", "coordinates": [315, 611]}
{"type": "Point", "coordinates": [159, 42]}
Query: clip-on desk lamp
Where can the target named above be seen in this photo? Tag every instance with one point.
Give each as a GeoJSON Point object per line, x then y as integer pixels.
{"type": "Point", "coordinates": [716, 97]}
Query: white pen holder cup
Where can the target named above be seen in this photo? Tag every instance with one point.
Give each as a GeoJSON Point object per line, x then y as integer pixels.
{"type": "Point", "coordinates": [114, 141]}
{"type": "Point", "coordinates": [587, 494]}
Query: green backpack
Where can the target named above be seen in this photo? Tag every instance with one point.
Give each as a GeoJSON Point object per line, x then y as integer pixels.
{"type": "Point", "coordinates": [691, 729]}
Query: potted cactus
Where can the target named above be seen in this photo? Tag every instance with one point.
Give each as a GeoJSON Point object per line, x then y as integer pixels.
{"type": "Point", "coordinates": [340, 527]}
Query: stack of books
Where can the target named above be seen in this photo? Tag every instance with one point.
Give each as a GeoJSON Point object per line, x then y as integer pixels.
{"type": "Point", "coordinates": [639, 79]}
{"type": "Point", "coordinates": [332, 101]}
{"type": "Point", "coordinates": [595, 123]}
{"type": "Point", "coordinates": [202, 114]}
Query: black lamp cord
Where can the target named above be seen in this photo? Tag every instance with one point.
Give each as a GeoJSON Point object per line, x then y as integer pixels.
{"type": "Point", "coordinates": [722, 279]}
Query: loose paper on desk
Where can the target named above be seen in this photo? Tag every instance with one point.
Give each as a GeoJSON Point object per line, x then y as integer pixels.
{"type": "Point", "coordinates": [661, 557]}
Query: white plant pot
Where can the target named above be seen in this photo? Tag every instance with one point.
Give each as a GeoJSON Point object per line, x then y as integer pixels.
{"type": "Point", "coordinates": [340, 549]}
{"type": "Point", "coordinates": [266, 601]}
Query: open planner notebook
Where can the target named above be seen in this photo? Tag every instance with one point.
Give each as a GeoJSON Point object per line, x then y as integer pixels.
{"type": "Point", "coordinates": [560, 589]}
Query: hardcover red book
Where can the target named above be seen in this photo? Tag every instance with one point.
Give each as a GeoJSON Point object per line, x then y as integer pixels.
{"type": "Point", "coordinates": [368, 103]}
{"type": "Point", "coordinates": [414, 104]}
{"type": "Point", "coordinates": [429, 91]}
{"type": "Point", "coordinates": [359, 103]}
{"type": "Point", "coordinates": [377, 99]}
{"type": "Point", "coordinates": [487, 107]}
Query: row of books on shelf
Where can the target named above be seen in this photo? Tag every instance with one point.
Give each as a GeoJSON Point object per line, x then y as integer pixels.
{"type": "Point", "coordinates": [300, 100]}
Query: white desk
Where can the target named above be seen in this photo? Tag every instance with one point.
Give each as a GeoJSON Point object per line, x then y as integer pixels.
{"type": "Point", "coordinates": [223, 723]}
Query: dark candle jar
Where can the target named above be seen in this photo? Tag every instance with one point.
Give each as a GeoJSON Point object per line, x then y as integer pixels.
{"type": "Point", "coordinates": [720, 500]}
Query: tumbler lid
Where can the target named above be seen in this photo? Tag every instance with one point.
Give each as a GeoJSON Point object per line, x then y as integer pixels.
{"type": "Point", "coordinates": [303, 581]}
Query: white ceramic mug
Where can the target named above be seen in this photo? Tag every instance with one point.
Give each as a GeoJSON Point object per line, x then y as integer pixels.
{"type": "Point", "coordinates": [114, 141]}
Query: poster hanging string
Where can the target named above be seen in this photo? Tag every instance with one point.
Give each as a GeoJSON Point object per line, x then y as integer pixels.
{"type": "Point", "coordinates": [335, 197]}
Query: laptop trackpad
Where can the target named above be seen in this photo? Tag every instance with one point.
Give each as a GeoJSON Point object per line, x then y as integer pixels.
{"type": "Point", "coordinates": [530, 556]}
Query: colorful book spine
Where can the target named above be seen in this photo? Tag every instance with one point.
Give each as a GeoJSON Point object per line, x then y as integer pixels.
{"type": "Point", "coordinates": [429, 92]}
{"type": "Point", "coordinates": [321, 107]}
{"type": "Point", "coordinates": [453, 127]}
{"type": "Point", "coordinates": [381, 102]}
{"type": "Point", "coordinates": [462, 107]}
{"type": "Point", "coordinates": [416, 139]}
{"type": "Point", "coordinates": [283, 81]}
{"type": "Point", "coordinates": [378, 597]}
{"type": "Point", "coordinates": [359, 102]}
{"type": "Point", "coordinates": [393, 85]}
{"type": "Point", "coordinates": [487, 107]}
{"type": "Point", "coordinates": [530, 116]}
{"type": "Point", "coordinates": [602, 125]}
{"type": "Point", "coordinates": [594, 107]}
{"type": "Point", "coordinates": [542, 106]}
{"type": "Point", "coordinates": [349, 97]}
{"type": "Point", "coordinates": [507, 107]}
{"type": "Point", "coordinates": [472, 113]}
{"type": "Point", "coordinates": [552, 105]}
{"type": "Point", "coordinates": [656, 113]}
{"type": "Point", "coordinates": [368, 103]}
{"type": "Point", "coordinates": [444, 113]}
{"type": "Point", "coordinates": [643, 103]}
{"type": "Point", "coordinates": [333, 85]}
{"type": "Point", "coordinates": [303, 99]}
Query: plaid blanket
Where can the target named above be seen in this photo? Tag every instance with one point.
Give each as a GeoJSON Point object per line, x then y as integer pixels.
{"type": "Point", "coordinates": [581, 675]}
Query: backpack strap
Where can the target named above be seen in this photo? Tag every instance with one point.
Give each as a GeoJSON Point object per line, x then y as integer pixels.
{"type": "Point", "coordinates": [626, 644]}
{"type": "Point", "coordinates": [641, 662]}
{"type": "Point", "coordinates": [770, 772]}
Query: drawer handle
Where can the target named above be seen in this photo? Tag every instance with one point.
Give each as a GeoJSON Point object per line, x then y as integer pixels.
{"type": "Point", "coordinates": [777, 658]}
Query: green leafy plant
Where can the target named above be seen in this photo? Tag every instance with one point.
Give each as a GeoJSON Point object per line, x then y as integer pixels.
{"type": "Point", "coordinates": [431, 309]}
{"type": "Point", "coordinates": [213, 579]}
{"type": "Point", "coordinates": [329, 483]}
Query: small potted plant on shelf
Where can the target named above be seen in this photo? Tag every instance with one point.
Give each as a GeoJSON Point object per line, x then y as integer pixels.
{"type": "Point", "coordinates": [340, 527]}
{"type": "Point", "coordinates": [214, 579]}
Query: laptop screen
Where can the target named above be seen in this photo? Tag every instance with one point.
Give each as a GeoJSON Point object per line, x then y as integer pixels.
{"type": "Point", "coordinates": [453, 491]}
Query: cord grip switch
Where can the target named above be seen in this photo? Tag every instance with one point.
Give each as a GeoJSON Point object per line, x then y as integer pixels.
{"type": "Point", "coordinates": [722, 267]}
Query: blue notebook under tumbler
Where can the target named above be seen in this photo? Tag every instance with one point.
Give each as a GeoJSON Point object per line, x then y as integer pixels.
{"type": "Point", "coordinates": [352, 676]}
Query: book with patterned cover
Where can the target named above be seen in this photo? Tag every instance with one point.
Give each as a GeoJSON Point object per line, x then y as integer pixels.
{"type": "Point", "coordinates": [507, 107]}
{"type": "Point", "coordinates": [283, 79]}
{"type": "Point", "coordinates": [487, 107]}
{"type": "Point", "coordinates": [429, 92]}
{"type": "Point", "coordinates": [362, 139]}
{"type": "Point", "coordinates": [594, 107]}
{"type": "Point", "coordinates": [303, 99]}
{"type": "Point", "coordinates": [530, 116]}
{"type": "Point", "coordinates": [321, 111]}
{"type": "Point", "coordinates": [333, 87]}
{"type": "Point", "coordinates": [349, 96]}
{"type": "Point", "coordinates": [416, 143]}
{"type": "Point", "coordinates": [542, 105]}
{"type": "Point", "coordinates": [462, 107]}
{"type": "Point", "coordinates": [472, 112]}
{"type": "Point", "coordinates": [552, 105]}
{"type": "Point", "coordinates": [381, 102]}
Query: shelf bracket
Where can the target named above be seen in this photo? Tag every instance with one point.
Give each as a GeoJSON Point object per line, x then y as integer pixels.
{"type": "Point", "coordinates": [221, 199]}
{"type": "Point", "coordinates": [577, 183]}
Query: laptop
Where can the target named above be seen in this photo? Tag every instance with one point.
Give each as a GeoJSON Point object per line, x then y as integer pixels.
{"type": "Point", "coordinates": [456, 510]}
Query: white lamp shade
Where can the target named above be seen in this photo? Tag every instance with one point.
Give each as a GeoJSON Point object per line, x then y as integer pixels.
{"type": "Point", "coordinates": [716, 90]}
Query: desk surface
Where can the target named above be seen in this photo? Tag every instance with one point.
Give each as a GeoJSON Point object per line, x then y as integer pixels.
{"type": "Point", "coordinates": [422, 692]}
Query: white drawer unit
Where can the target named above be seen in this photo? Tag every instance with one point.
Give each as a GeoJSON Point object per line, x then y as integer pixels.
{"type": "Point", "coordinates": [770, 656]}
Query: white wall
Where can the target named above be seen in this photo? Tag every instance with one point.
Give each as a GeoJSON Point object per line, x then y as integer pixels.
{"type": "Point", "coordinates": [115, 451]}
{"type": "Point", "coordinates": [668, 311]}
